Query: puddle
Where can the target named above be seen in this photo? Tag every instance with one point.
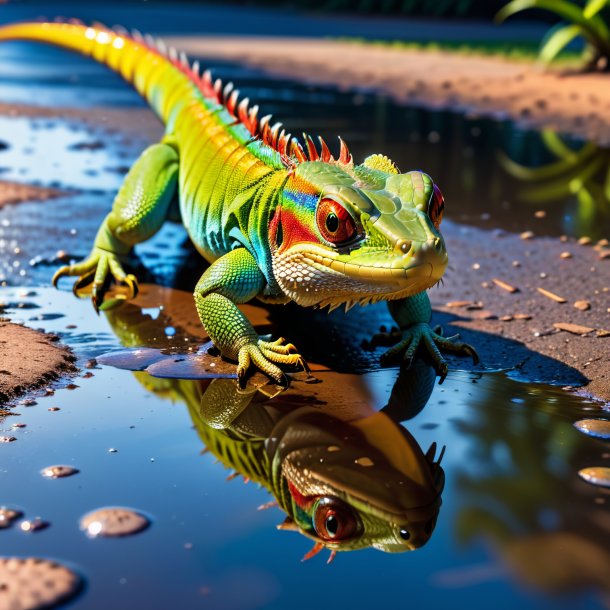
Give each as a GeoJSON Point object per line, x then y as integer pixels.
{"type": "Point", "coordinates": [494, 518]}
{"type": "Point", "coordinates": [505, 515]}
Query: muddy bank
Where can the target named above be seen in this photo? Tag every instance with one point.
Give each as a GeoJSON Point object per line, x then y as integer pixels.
{"type": "Point", "coordinates": [488, 86]}
{"type": "Point", "coordinates": [29, 359]}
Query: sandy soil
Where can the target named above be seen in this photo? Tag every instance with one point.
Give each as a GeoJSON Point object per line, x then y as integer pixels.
{"type": "Point", "coordinates": [491, 86]}
{"type": "Point", "coordinates": [46, 360]}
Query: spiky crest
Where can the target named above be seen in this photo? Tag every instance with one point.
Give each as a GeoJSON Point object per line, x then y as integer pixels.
{"type": "Point", "coordinates": [288, 146]}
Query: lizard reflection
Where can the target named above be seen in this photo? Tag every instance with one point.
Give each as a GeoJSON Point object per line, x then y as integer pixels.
{"type": "Point", "coordinates": [346, 476]}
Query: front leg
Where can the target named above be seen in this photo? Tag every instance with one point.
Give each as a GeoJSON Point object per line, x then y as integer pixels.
{"type": "Point", "coordinates": [413, 315]}
{"type": "Point", "coordinates": [139, 209]}
{"type": "Point", "coordinates": [236, 278]}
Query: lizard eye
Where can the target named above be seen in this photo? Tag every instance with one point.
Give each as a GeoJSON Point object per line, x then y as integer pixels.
{"type": "Point", "coordinates": [334, 520]}
{"type": "Point", "coordinates": [436, 207]}
{"type": "Point", "coordinates": [334, 222]}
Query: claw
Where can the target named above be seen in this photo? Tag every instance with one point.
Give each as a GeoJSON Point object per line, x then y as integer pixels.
{"type": "Point", "coordinates": [65, 270]}
{"type": "Point", "coordinates": [132, 283]}
{"type": "Point", "coordinates": [82, 282]}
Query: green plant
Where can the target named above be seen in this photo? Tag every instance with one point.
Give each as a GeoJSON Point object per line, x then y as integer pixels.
{"type": "Point", "coordinates": [585, 22]}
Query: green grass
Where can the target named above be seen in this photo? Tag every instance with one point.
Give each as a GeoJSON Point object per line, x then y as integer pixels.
{"type": "Point", "coordinates": [517, 51]}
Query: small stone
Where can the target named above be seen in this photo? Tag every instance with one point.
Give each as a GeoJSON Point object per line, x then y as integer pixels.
{"type": "Point", "coordinates": [596, 475]}
{"type": "Point", "coordinates": [575, 329]}
{"type": "Point", "coordinates": [603, 243]}
{"type": "Point", "coordinates": [8, 516]}
{"type": "Point", "coordinates": [516, 264]}
{"type": "Point", "coordinates": [522, 316]}
{"type": "Point", "coordinates": [33, 583]}
{"type": "Point", "coordinates": [599, 428]}
{"type": "Point", "coordinates": [33, 525]}
{"type": "Point", "coordinates": [53, 409]}
{"type": "Point", "coordinates": [527, 235]}
{"type": "Point", "coordinates": [585, 241]}
{"type": "Point", "coordinates": [58, 472]}
{"type": "Point", "coordinates": [113, 521]}
{"type": "Point", "coordinates": [7, 439]}
{"type": "Point", "coordinates": [604, 254]}
{"type": "Point", "coordinates": [565, 255]}
{"type": "Point", "coordinates": [563, 239]}
{"type": "Point", "coordinates": [506, 318]}
{"type": "Point", "coordinates": [582, 305]}
{"type": "Point", "coordinates": [476, 266]}
{"type": "Point", "coordinates": [540, 213]}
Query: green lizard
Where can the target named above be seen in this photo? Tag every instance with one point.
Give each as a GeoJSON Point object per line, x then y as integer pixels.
{"type": "Point", "coordinates": [346, 476]}
{"type": "Point", "coordinates": [278, 220]}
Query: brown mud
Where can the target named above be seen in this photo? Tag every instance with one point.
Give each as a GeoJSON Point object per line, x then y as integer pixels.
{"type": "Point", "coordinates": [29, 359]}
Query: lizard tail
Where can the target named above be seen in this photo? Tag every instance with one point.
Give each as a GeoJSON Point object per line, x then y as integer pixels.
{"type": "Point", "coordinates": [157, 73]}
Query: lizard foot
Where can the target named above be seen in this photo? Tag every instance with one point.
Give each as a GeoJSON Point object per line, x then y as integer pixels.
{"type": "Point", "coordinates": [97, 270]}
{"type": "Point", "coordinates": [265, 355]}
{"type": "Point", "coordinates": [407, 342]}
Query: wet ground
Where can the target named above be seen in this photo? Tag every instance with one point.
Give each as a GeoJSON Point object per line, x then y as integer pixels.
{"type": "Point", "coordinates": [517, 524]}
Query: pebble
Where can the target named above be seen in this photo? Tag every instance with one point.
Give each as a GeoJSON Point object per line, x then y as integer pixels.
{"type": "Point", "coordinates": [7, 439]}
{"type": "Point", "coordinates": [53, 409]}
{"type": "Point", "coordinates": [540, 213]}
{"type": "Point", "coordinates": [584, 241]}
{"type": "Point", "coordinates": [31, 583]}
{"type": "Point", "coordinates": [113, 521]}
{"type": "Point", "coordinates": [506, 318]}
{"type": "Point", "coordinates": [596, 475]}
{"type": "Point", "coordinates": [565, 255]}
{"type": "Point", "coordinates": [58, 472]}
{"type": "Point", "coordinates": [582, 305]}
{"type": "Point", "coordinates": [599, 428]}
{"type": "Point", "coordinates": [527, 235]}
{"type": "Point", "coordinates": [33, 525]}
{"type": "Point", "coordinates": [8, 516]}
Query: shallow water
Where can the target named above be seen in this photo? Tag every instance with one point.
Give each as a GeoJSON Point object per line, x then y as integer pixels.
{"type": "Point", "coordinates": [517, 523]}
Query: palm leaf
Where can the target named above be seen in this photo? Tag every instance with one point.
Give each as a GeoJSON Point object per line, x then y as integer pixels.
{"type": "Point", "coordinates": [593, 7]}
{"type": "Point", "coordinates": [558, 40]}
{"type": "Point", "coordinates": [594, 29]}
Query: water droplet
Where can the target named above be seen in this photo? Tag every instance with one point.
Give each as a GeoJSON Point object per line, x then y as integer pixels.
{"type": "Point", "coordinates": [364, 461]}
{"type": "Point", "coordinates": [113, 522]}
{"type": "Point", "coordinates": [33, 583]}
{"type": "Point", "coordinates": [599, 428]}
{"type": "Point", "coordinates": [8, 516]}
{"type": "Point", "coordinates": [58, 472]}
{"type": "Point", "coordinates": [596, 475]}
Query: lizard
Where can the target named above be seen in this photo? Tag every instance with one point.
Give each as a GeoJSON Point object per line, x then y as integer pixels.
{"type": "Point", "coordinates": [277, 218]}
{"type": "Point", "coordinates": [346, 475]}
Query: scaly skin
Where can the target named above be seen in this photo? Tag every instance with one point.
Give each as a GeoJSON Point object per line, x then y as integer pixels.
{"type": "Point", "coordinates": [278, 221]}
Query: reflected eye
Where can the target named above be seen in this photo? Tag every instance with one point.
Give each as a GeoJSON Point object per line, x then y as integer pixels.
{"type": "Point", "coordinates": [334, 222]}
{"type": "Point", "coordinates": [334, 520]}
{"type": "Point", "coordinates": [436, 207]}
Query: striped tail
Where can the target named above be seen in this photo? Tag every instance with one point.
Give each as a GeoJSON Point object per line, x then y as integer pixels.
{"type": "Point", "coordinates": [163, 79]}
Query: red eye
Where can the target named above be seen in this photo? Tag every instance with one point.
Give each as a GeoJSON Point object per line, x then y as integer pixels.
{"type": "Point", "coordinates": [436, 207]}
{"type": "Point", "coordinates": [334, 222]}
{"type": "Point", "coordinates": [333, 520]}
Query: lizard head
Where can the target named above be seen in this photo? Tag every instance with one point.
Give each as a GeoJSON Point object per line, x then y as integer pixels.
{"type": "Point", "coordinates": [359, 484]}
{"type": "Point", "coordinates": [358, 234]}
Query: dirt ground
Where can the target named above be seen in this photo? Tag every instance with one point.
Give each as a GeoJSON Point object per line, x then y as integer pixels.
{"type": "Point", "coordinates": [46, 360]}
{"type": "Point", "coordinates": [485, 265]}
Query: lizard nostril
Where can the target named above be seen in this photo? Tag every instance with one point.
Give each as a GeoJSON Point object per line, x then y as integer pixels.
{"type": "Point", "coordinates": [404, 245]}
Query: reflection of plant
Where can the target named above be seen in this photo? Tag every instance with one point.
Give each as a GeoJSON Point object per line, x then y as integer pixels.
{"type": "Point", "coordinates": [583, 173]}
{"type": "Point", "coordinates": [586, 23]}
